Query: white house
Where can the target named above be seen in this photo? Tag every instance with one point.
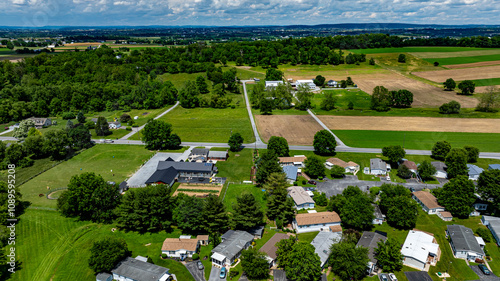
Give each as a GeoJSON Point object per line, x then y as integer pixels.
{"type": "Point", "coordinates": [41, 122]}
{"type": "Point", "coordinates": [377, 214]}
{"type": "Point", "coordinates": [297, 161]}
{"type": "Point", "coordinates": [444, 215]}
{"type": "Point", "coordinates": [493, 224]}
{"type": "Point", "coordinates": [315, 221]}
{"type": "Point", "coordinates": [322, 244]}
{"type": "Point", "coordinates": [420, 249]}
{"type": "Point", "coordinates": [463, 243]}
{"type": "Point", "coordinates": [378, 166]}
{"type": "Point", "coordinates": [300, 197]}
{"type": "Point", "coordinates": [427, 201]}
{"type": "Point", "coordinates": [272, 84]}
{"type": "Point", "coordinates": [349, 167]}
{"type": "Point", "coordinates": [333, 83]}
{"type": "Point", "coordinates": [179, 247]}
{"type": "Point", "coordinates": [308, 83]}
{"type": "Point", "coordinates": [233, 242]}
{"type": "Point", "coordinates": [410, 165]}
{"type": "Point", "coordinates": [440, 170]}
{"type": "Point", "coordinates": [137, 270]}
{"type": "Point", "coordinates": [474, 172]}
{"type": "Point", "coordinates": [114, 125]}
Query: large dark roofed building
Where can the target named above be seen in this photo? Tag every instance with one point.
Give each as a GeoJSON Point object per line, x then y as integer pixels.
{"type": "Point", "coordinates": [168, 171]}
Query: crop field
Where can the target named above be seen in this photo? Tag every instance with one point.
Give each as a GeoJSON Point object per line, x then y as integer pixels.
{"type": "Point", "coordinates": [198, 190]}
{"type": "Point", "coordinates": [420, 50]}
{"type": "Point", "coordinates": [296, 129]}
{"type": "Point", "coordinates": [52, 247]}
{"type": "Point", "coordinates": [486, 82]}
{"type": "Point", "coordinates": [486, 142]}
{"type": "Point", "coordinates": [486, 72]}
{"type": "Point", "coordinates": [494, 59]}
{"type": "Point", "coordinates": [112, 161]}
{"type": "Point", "coordinates": [423, 124]}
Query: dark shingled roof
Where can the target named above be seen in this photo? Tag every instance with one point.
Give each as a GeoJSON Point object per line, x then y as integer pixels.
{"type": "Point", "coordinates": [139, 270]}
{"type": "Point", "coordinates": [164, 176]}
{"type": "Point", "coordinates": [463, 238]}
{"type": "Point", "coordinates": [418, 276]}
{"type": "Point", "coordinates": [185, 166]}
{"type": "Point", "coordinates": [257, 231]}
{"type": "Point", "coordinates": [369, 240]}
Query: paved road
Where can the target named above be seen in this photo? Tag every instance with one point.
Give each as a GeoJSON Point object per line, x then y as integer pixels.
{"type": "Point", "coordinates": [198, 275]}
{"type": "Point", "coordinates": [134, 131]}
{"type": "Point", "coordinates": [482, 277]}
{"type": "Point", "coordinates": [214, 274]}
{"type": "Point", "coordinates": [334, 187]}
{"type": "Point", "coordinates": [11, 128]}
{"type": "Point", "coordinates": [258, 141]}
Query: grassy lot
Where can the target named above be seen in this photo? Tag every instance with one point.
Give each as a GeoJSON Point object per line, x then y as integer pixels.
{"type": "Point", "coordinates": [206, 251]}
{"type": "Point", "coordinates": [143, 114]}
{"type": "Point", "coordinates": [415, 49]}
{"type": "Point", "coordinates": [461, 60]}
{"type": "Point", "coordinates": [417, 140]}
{"type": "Point", "coordinates": [307, 237]}
{"type": "Point", "coordinates": [66, 247]}
{"type": "Point", "coordinates": [235, 190]}
{"type": "Point", "coordinates": [210, 124]}
{"type": "Point", "coordinates": [236, 168]}
{"type": "Point", "coordinates": [123, 160]}
{"type": "Point", "coordinates": [23, 174]}
{"type": "Point", "coordinates": [487, 82]}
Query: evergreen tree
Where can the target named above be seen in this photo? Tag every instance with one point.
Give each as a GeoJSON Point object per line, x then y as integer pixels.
{"type": "Point", "coordinates": [201, 85]}
{"type": "Point", "coordinates": [247, 212]}
{"type": "Point", "coordinates": [188, 215]}
{"type": "Point", "coordinates": [214, 213]}
{"type": "Point", "coordinates": [267, 165]}
{"type": "Point", "coordinates": [102, 127]}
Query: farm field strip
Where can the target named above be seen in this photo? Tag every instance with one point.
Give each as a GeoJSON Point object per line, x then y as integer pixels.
{"type": "Point", "coordinates": [422, 124]}
{"type": "Point", "coordinates": [475, 73]}
{"type": "Point", "coordinates": [465, 60]}
{"type": "Point", "coordinates": [423, 51]}
{"type": "Point", "coordinates": [474, 64]}
{"type": "Point", "coordinates": [296, 129]}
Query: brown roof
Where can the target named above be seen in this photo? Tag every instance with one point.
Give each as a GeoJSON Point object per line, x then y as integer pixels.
{"type": "Point", "coordinates": [292, 159]}
{"type": "Point", "coordinates": [445, 214]}
{"type": "Point", "coordinates": [174, 244]}
{"type": "Point", "coordinates": [341, 163]}
{"type": "Point", "coordinates": [317, 218]}
{"type": "Point", "coordinates": [427, 199]}
{"type": "Point", "coordinates": [270, 247]}
{"type": "Point", "coordinates": [202, 237]}
{"type": "Point", "coordinates": [336, 228]}
{"type": "Point", "coordinates": [410, 165]}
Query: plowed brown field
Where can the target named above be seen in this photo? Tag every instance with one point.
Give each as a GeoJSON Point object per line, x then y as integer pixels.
{"type": "Point", "coordinates": [461, 74]}
{"type": "Point", "coordinates": [296, 129]}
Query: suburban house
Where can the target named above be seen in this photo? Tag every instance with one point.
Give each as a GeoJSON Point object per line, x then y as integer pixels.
{"type": "Point", "coordinates": [315, 221]}
{"type": "Point", "coordinates": [474, 172]}
{"type": "Point", "coordinates": [440, 169]}
{"type": "Point", "coordinates": [333, 83]}
{"type": "Point", "coordinates": [493, 224]}
{"type": "Point", "coordinates": [104, 276]}
{"type": "Point", "coordinates": [479, 205]}
{"type": "Point", "coordinates": [114, 125]}
{"type": "Point", "coordinates": [233, 242]}
{"type": "Point", "coordinates": [370, 240]}
{"type": "Point", "coordinates": [168, 171]}
{"type": "Point", "coordinates": [349, 167]}
{"type": "Point", "coordinates": [300, 197]}
{"type": "Point", "coordinates": [410, 165]}
{"type": "Point", "coordinates": [217, 155]}
{"type": "Point", "coordinates": [41, 122]}
{"type": "Point", "coordinates": [444, 215]}
{"type": "Point", "coordinates": [420, 250]}
{"type": "Point", "coordinates": [179, 247]}
{"type": "Point", "coordinates": [291, 173]}
{"type": "Point", "coordinates": [463, 242]}
{"type": "Point", "coordinates": [322, 243]}
{"type": "Point", "coordinates": [257, 231]}
{"type": "Point", "coordinates": [203, 239]}
{"type": "Point", "coordinates": [378, 216]}
{"type": "Point", "coordinates": [297, 160]}
{"type": "Point", "coordinates": [137, 270]}
{"type": "Point", "coordinates": [198, 155]}
{"type": "Point", "coordinates": [270, 247]}
{"type": "Point", "coordinates": [272, 84]}
{"type": "Point", "coordinates": [494, 167]}
{"type": "Point", "coordinates": [308, 83]}
{"type": "Point", "coordinates": [427, 201]}
{"type": "Point", "coordinates": [336, 228]}
{"type": "Point", "coordinates": [378, 166]}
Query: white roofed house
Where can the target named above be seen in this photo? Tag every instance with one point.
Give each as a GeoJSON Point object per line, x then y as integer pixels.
{"type": "Point", "coordinates": [349, 167]}
{"type": "Point", "coordinates": [297, 160]}
{"type": "Point", "coordinates": [114, 125]}
{"type": "Point", "coordinates": [300, 197]}
{"type": "Point", "coordinates": [333, 83]}
{"type": "Point", "coordinates": [420, 250]}
{"type": "Point", "coordinates": [322, 243]}
{"type": "Point", "coordinates": [138, 270]}
{"type": "Point", "coordinates": [272, 84]}
{"type": "Point", "coordinates": [493, 224]}
{"type": "Point", "coordinates": [308, 83]}
{"type": "Point", "coordinates": [378, 166]}
{"type": "Point", "coordinates": [440, 170]}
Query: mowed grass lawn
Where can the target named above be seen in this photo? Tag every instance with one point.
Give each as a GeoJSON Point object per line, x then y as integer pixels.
{"type": "Point", "coordinates": [210, 124]}
{"type": "Point", "coordinates": [51, 247]}
{"type": "Point", "coordinates": [462, 60]}
{"type": "Point", "coordinates": [418, 140]}
{"type": "Point", "coordinates": [123, 160]}
{"type": "Point", "coordinates": [235, 190]}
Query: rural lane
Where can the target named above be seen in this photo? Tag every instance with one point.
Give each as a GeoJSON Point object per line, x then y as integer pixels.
{"type": "Point", "coordinates": [141, 127]}
{"type": "Point", "coordinates": [258, 141]}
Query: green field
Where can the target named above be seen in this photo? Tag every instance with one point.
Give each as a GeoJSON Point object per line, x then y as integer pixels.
{"type": "Point", "coordinates": [415, 50]}
{"type": "Point", "coordinates": [235, 190]}
{"type": "Point", "coordinates": [461, 60]}
{"type": "Point", "coordinates": [210, 124]}
{"type": "Point", "coordinates": [487, 82]}
{"type": "Point", "coordinates": [51, 247]}
{"type": "Point", "coordinates": [236, 168]}
{"type": "Point", "coordinates": [123, 160]}
{"type": "Point", "coordinates": [418, 140]}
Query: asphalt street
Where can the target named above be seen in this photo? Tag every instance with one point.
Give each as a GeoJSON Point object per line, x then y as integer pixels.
{"type": "Point", "coordinates": [214, 274]}
{"type": "Point", "coordinates": [198, 274]}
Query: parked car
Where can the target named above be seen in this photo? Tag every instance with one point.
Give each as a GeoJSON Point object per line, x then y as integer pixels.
{"type": "Point", "coordinates": [484, 269]}
{"type": "Point", "coordinates": [222, 273]}
{"type": "Point", "coordinates": [383, 277]}
{"type": "Point", "coordinates": [312, 182]}
{"type": "Point", "coordinates": [200, 265]}
{"type": "Point", "coordinates": [393, 277]}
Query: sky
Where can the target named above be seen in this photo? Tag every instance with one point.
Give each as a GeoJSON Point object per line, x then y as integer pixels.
{"type": "Point", "coordinates": [39, 13]}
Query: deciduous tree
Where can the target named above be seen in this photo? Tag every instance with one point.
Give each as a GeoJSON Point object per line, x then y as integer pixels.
{"type": "Point", "coordinates": [235, 142]}
{"type": "Point", "coordinates": [456, 161]}
{"type": "Point", "coordinates": [402, 98]}
{"type": "Point", "coordinates": [457, 196]}
{"type": "Point", "coordinates": [472, 153]}
{"type": "Point", "coordinates": [105, 254]}
{"type": "Point", "coordinates": [389, 255]}
{"type": "Point", "coordinates": [348, 261]}
{"type": "Point", "coordinates": [394, 152]}
{"type": "Point", "coordinates": [450, 84]}
{"type": "Point", "coordinates": [158, 135]}
{"type": "Point", "coordinates": [354, 207]}
{"type": "Point", "coordinates": [324, 143]}
{"type": "Point", "coordinates": [254, 264]}
{"type": "Point", "coordinates": [279, 146]}
{"type": "Point", "coordinates": [102, 127]}
{"type": "Point", "coordinates": [440, 150]}
{"type": "Point", "coordinates": [488, 186]}
{"type": "Point", "coordinates": [188, 215]}
{"type": "Point", "coordinates": [337, 172]}
{"type": "Point", "coordinates": [314, 167]}
{"type": "Point", "coordinates": [328, 101]}
{"type": "Point", "coordinates": [467, 87]}
{"type": "Point", "coordinates": [303, 263]}
{"type": "Point", "coordinates": [426, 170]}
{"type": "Point", "coordinates": [381, 99]}
{"type": "Point", "coordinates": [55, 144]}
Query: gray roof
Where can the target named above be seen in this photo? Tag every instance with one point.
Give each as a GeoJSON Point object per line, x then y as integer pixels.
{"type": "Point", "coordinates": [164, 176]}
{"type": "Point", "coordinates": [279, 275]}
{"type": "Point", "coordinates": [199, 151]}
{"type": "Point", "coordinates": [103, 276]}
{"type": "Point", "coordinates": [376, 212]}
{"type": "Point", "coordinates": [494, 226]}
{"type": "Point", "coordinates": [378, 164]}
{"type": "Point", "coordinates": [217, 154]}
{"type": "Point", "coordinates": [474, 170]}
{"type": "Point", "coordinates": [233, 244]}
{"type": "Point", "coordinates": [440, 166]}
{"type": "Point", "coordinates": [322, 243]}
{"type": "Point", "coordinates": [418, 276]}
{"type": "Point", "coordinates": [494, 167]}
{"type": "Point", "coordinates": [370, 240]}
{"type": "Point", "coordinates": [185, 166]}
{"type": "Point", "coordinates": [139, 270]}
{"type": "Point", "coordinates": [227, 234]}
{"type": "Point", "coordinates": [463, 238]}
{"type": "Point", "coordinates": [291, 172]}
{"type": "Point", "coordinates": [257, 230]}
